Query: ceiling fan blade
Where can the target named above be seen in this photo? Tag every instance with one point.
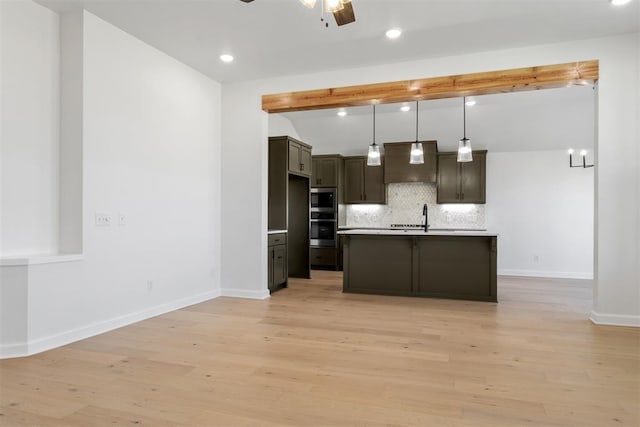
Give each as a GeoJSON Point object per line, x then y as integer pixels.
{"type": "Point", "coordinates": [345, 15]}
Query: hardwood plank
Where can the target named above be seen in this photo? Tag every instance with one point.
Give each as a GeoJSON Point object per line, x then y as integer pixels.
{"type": "Point", "coordinates": [484, 83]}
{"type": "Point", "coordinates": [311, 355]}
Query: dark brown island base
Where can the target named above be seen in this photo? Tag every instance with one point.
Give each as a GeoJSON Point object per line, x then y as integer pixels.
{"type": "Point", "coordinates": [459, 265]}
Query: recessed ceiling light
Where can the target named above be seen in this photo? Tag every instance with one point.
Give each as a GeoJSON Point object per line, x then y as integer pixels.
{"type": "Point", "coordinates": [394, 33]}
{"type": "Point", "coordinates": [619, 2]}
{"type": "Point", "coordinates": [405, 108]}
{"type": "Point", "coordinates": [470, 103]}
{"type": "Point", "coordinates": [342, 113]}
{"type": "Point", "coordinates": [226, 57]}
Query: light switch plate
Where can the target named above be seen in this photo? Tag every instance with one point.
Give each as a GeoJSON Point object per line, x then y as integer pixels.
{"type": "Point", "coordinates": [103, 220]}
{"type": "Point", "coordinates": [122, 219]}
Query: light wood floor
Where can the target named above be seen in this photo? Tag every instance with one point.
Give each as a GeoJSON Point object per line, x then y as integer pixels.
{"type": "Point", "coordinates": [314, 356]}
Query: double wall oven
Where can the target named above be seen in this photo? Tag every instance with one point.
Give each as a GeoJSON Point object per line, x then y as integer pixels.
{"type": "Point", "coordinates": [324, 217]}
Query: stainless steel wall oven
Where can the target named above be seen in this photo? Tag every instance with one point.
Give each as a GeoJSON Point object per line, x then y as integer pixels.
{"type": "Point", "coordinates": [324, 218]}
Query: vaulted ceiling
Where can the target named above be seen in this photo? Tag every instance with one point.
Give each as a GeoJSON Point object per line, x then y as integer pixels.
{"type": "Point", "coordinates": [279, 37]}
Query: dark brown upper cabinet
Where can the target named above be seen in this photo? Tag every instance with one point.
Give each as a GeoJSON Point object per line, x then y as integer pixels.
{"type": "Point", "coordinates": [299, 157]}
{"type": "Point", "coordinates": [398, 169]}
{"type": "Point", "coordinates": [463, 182]}
{"type": "Point", "coordinates": [327, 171]}
{"type": "Point", "coordinates": [362, 183]}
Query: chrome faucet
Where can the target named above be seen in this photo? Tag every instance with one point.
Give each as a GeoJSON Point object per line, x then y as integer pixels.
{"type": "Point", "coordinates": [425, 213]}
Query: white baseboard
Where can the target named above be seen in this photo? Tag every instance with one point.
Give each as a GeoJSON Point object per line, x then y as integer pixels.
{"type": "Point", "coordinates": [67, 337]}
{"type": "Point", "coordinates": [238, 293]}
{"type": "Point", "coordinates": [546, 274]}
{"type": "Point", "coordinates": [9, 351]}
{"type": "Point", "coordinates": [615, 319]}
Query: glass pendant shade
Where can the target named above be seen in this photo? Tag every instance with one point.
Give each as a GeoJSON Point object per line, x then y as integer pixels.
{"type": "Point", "coordinates": [417, 154]}
{"type": "Point", "coordinates": [308, 3]}
{"type": "Point", "coordinates": [464, 150]}
{"type": "Point", "coordinates": [334, 5]}
{"type": "Point", "coordinates": [373, 158]}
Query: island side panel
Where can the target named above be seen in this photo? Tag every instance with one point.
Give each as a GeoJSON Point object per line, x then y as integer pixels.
{"type": "Point", "coordinates": [457, 267]}
{"type": "Point", "coordinates": [378, 265]}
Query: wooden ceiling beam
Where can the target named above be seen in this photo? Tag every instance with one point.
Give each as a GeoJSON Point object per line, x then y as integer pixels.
{"type": "Point", "coordinates": [514, 80]}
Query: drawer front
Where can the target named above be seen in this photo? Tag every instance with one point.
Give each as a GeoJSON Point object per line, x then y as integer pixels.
{"type": "Point", "coordinates": [277, 239]}
{"type": "Point", "coordinates": [324, 256]}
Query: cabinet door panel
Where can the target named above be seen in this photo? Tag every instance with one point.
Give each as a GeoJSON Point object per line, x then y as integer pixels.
{"type": "Point", "coordinates": [448, 183]}
{"type": "Point", "coordinates": [439, 270]}
{"type": "Point", "coordinates": [270, 276]}
{"type": "Point", "coordinates": [329, 172]}
{"type": "Point", "coordinates": [379, 264]}
{"type": "Point", "coordinates": [294, 157]}
{"type": "Point", "coordinates": [472, 180]}
{"type": "Point", "coordinates": [374, 189]}
{"type": "Point", "coordinates": [305, 161]}
{"type": "Point", "coordinates": [353, 176]}
{"type": "Point", "coordinates": [316, 173]}
{"type": "Point", "coordinates": [279, 264]}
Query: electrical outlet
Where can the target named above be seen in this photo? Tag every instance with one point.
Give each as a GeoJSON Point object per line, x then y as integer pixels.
{"type": "Point", "coordinates": [103, 220]}
{"type": "Point", "coordinates": [149, 285]}
{"type": "Point", "coordinates": [122, 219]}
{"type": "Point", "coordinates": [536, 259]}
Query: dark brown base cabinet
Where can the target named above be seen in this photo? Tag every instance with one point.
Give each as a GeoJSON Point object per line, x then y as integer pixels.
{"type": "Point", "coordinates": [324, 258]}
{"type": "Point", "coordinates": [458, 267]}
{"type": "Point", "coordinates": [277, 261]}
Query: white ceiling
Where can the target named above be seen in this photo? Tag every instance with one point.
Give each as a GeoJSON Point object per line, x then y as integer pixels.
{"type": "Point", "coordinates": [279, 37]}
{"type": "Point", "coordinates": [549, 119]}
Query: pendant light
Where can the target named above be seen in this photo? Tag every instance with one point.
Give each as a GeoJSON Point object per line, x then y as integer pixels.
{"type": "Point", "coordinates": [373, 158]}
{"type": "Point", "coordinates": [464, 146]}
{"type": "Point", "coordinates": [417, 154]}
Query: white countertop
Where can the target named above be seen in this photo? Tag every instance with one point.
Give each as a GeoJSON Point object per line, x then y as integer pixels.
{"type": "Point", "coordinates": [276, 231]}
{"type": "Point", "coordinates": [414, 232]}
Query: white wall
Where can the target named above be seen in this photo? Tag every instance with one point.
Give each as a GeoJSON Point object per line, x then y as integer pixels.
{"type": "Point", "coordinates": [280, 125]}
{"type": "Point", "coordinates": [29, 129]}
{"type": "Point", "coordinates": [71, 82]}
{"type": "Point", "coordinates": [14, 307]}
{"type": "Point", "coordinates": [543, 211]}
{"type": "Point", "coordinates": [151, 152]}
{"type": "Point", "coordinates": [244, 192]}
{"type": "Point", "coordinates": [617, 297]}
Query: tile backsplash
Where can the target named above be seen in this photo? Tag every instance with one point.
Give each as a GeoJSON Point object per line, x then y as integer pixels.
{"type": "Point", "coordinates": [404, 206]}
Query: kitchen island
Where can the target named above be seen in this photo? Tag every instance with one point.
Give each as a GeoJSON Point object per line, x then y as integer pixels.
{"type": "Point", "coordinates": [442, 264]}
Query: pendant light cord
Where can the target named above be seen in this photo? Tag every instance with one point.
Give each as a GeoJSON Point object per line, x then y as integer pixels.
{"type": "Point", "coordinates": [374, 124]}
{"type": "Point", "coordinates": [464, 116]}
{"type": "Point", "coordinates": [416, 121]}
